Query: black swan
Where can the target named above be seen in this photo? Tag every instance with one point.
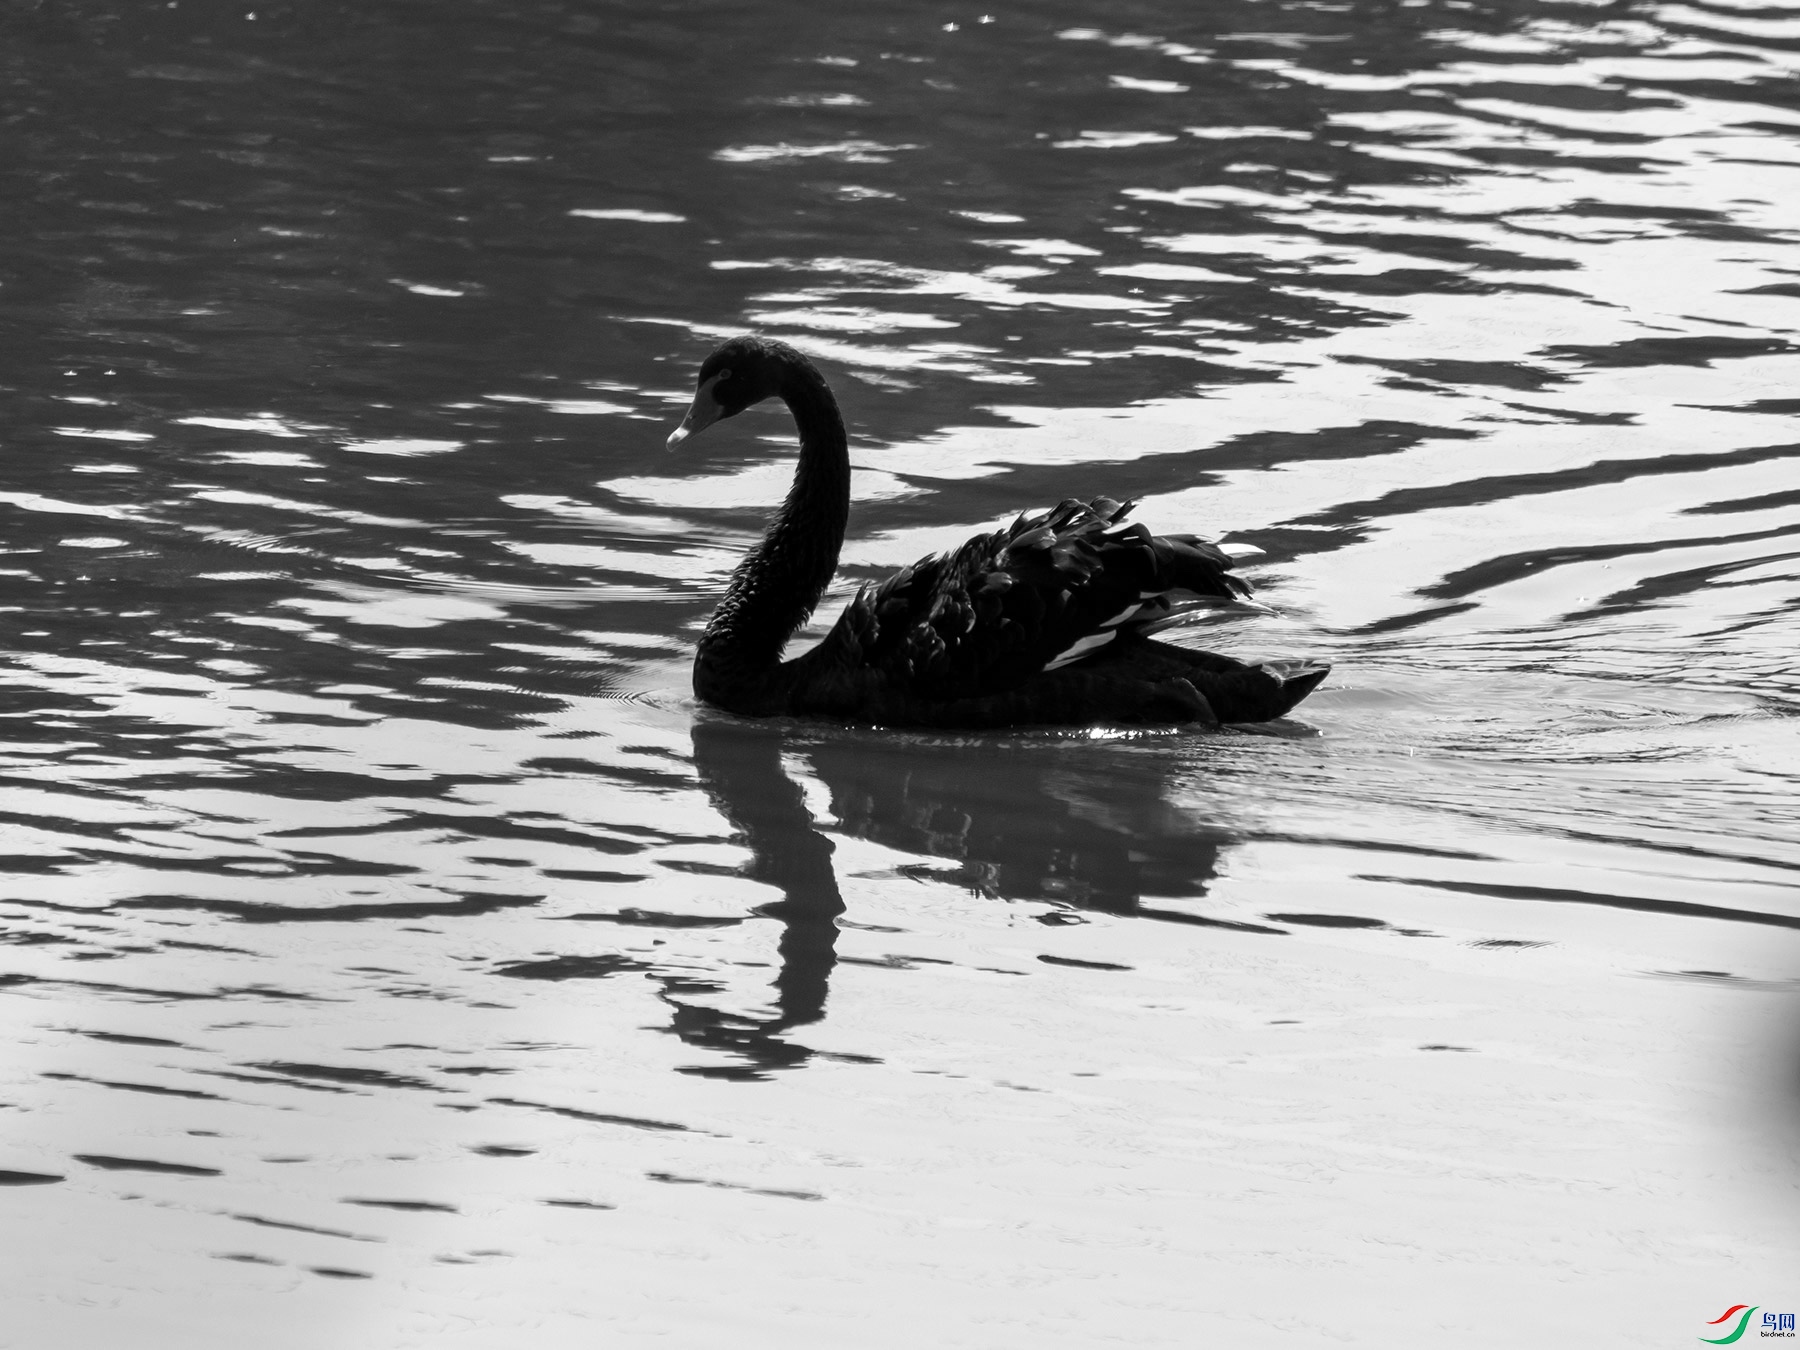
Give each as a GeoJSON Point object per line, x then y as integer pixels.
{"type": "Point", "coordinates": [1044, 622]}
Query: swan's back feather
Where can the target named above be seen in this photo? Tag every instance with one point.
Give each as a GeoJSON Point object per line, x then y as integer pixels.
{"type": "Point", "coordinates": [1048, 591]}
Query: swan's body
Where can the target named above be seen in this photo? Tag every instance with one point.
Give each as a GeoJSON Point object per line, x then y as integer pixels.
{"type": "Point", "coordinates": [1047, 621]}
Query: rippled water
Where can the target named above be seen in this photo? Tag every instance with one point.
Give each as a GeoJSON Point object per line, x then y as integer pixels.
{"type": "Point", "coordinates": [395, 955]}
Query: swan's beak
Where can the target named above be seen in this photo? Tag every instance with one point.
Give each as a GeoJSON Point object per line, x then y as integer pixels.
{"type": "Point", "coordinates": [704, 412]}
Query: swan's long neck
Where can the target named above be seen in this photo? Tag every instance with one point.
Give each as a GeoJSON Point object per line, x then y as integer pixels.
{"type": "Point", "coordinates": [775, 587]}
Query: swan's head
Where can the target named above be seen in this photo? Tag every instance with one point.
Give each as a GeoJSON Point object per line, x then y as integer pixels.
{"type": "Point", "coordinates": [743, 371]}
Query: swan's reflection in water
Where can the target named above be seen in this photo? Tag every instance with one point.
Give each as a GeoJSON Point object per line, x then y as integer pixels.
{"type": "Point", "coordinates": [739, 764]}
{"type": "Point", "coordinates": [1079, 824]}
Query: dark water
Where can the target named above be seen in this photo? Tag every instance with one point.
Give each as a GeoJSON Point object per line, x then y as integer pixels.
{"type": "Point", "coordinates": [395, 956]}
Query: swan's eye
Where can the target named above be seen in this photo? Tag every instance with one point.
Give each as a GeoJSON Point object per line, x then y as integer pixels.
{"type": "Point", "coordinates": [722, 376]}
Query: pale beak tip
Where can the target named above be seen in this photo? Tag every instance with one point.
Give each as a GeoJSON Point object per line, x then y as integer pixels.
{"type": "Point", "coordinates": [704, 412]}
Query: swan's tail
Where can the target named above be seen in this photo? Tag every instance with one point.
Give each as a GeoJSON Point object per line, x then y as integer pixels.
{"type": "Point", "coordinates": [1259, 693]}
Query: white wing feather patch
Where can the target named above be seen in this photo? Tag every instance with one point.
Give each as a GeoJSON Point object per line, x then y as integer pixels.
{"type": "Point", "coordinates": [1121, 616]}
{"type": "Point", "coordinates": [1080, 648]}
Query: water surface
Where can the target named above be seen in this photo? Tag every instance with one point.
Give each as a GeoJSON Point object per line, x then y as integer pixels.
{"type": "Point", "coordinates": [396, 956]}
